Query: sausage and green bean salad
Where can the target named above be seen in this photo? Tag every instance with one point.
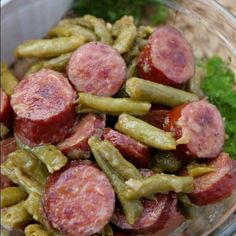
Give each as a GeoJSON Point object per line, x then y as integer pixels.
{"type": "Point", "coordinates": [108, 133]}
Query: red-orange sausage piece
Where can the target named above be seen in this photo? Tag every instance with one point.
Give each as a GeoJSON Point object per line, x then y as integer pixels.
{"type": "Point", "coordinates": [134, 151]}
{"type": "Point", "coordinates": [6, 147]}
{"type": "Point", "coordinates": [214, 186]}
{"type": "Point", "coordinates": [5, 108]}
{"type": "Point", "coordinates": [78, 199]}
{"type": "Point", "coordinates": [97, 68]}
{"type": "Point", "coordinates": [76, 145]}
{"type": "Point", "coordinates": [154, 217]}
{"type": "Point", "coordinates": [167, 58]}
{"type": "Point", "coordinates": [199, 126]}
{"type": "Point", "coordinates": [44, 104]}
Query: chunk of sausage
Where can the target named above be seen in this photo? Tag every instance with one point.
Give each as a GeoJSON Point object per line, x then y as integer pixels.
{"type": "Point", "coordinates": [97, 68]}
{"type": "Point", "coordinates": [199, 128]}
{"type": "Point", "coordinates": [6, 147]}
{"type": "Point", "coordinates": [134, 151]}
{"type": "Point", "coordinates": [154, 217]}
{"type": "Point", "coordinates": [76, 145]}
{"type": "Point", "coordinates": [78, 199]}
{"type": "Point", "coordinates": [5, 109]}
{"type": "Point", "coordinates": [214, 186]}
{"type": "Point", "coordinates": [167, 58]}
{"type": "Point", "coordinates": [44, 104]}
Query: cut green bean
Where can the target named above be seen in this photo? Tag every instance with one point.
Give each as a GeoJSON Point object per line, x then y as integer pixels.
{"type": "Point", "coordinates": [45, 48]}
{"type": "Point", "coordinates": [131, 208]}
{"type": "Point", "coordinates": [114, 106]}
{"type": "Point", "coordinates": [3, 131]}
{"type": "Point", "coordinates": [57, 63]}
{"type": "Point", "coordinates": [144, 31]}
{"type": "Point", "coordinates": [8, 80]}
{"type": "Point", "coordinates": [188, 209]}
{"type": "Point", "coordinates": [12, 195]}
{"type": "Point", "coordinates": [158, 183]}
{"type": "Point", "coordinates": [15, 216]}
{"type": "Point", "coordinates": [35, 230]}
{"type": "Point", "coordinates": [75, 21]}
{"type": "Point", "coordinates": [107, 231]}
{"type": "Point", "coordinates": [196, 169]}
{"type": "Point", "coordinates": [29, 164]}
{"type": "Point", "coordinates": [49, 154]}
{"type": "Point", "coordinates": [145, 132]}
{"type": "Point", "coordinates": [72, 30]}
{"type": "Point", "coordinates": [124, 168]}
{"type": "Point", "coordinates": [125, 31]}
{"type": "Point", "coordinates": [157, 93]}
{"type": "Point", "coordinates": [33, 205]}
{"type": "Point", "coordinates": [166, 162]}
{"type": "Point", "coordinates": [100, 28]}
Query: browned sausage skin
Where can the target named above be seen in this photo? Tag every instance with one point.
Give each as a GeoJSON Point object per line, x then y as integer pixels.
{"type": "Point", "coordinates": [199, 128]}
{"type": "Point", "coordinates": [76, 145]}
{"type": "Point", "coordinates": [167, 58]}
{"type": "Point", "coordinates": [78, 199]}
{"type": "Point", "coordinates": [215, 186]}
{"type": "Point", "coordinates": [5, 109]}
{"type": "Point", "coordinates": [44, 104]}
{"type": "Point", "coordinates": [134, 151]}
{"type": "Point", "coordinates": [97, 68]}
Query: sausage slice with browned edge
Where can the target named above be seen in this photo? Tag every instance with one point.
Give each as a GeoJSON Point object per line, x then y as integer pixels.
{"type": "Point", "coordinates": [167, 58]}
{"type": "Point", "coordinates": [44, 104]}
{"type": "Point", "coordinates": [76, 145]}
{"type": "Point", "coordinates": [154, 217]}
{"type": "Point", "coordinates": [78, 199]}
{"type": "Point", "coordinates": [6, 147]}
{"type": "Point", "coordinates": [199, 128]}
{"type": "Point", "coordinates": [214, 186]}
{"type": "Point", "coordinates": [134, 151]}
{"type": "Point", "coordinates": [5, 109]}
{"type": "Point", "coordinates": [97, 68]}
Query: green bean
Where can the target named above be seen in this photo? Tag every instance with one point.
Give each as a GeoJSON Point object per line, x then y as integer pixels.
{"type": "Point", "coordinates": [166, 162]}
{"type": "Point", "coordinates": [57, 63]}
{"type": "Point", "coordinates": [158, 183]}
{"type": "Point", "coordinates": [18, 177]}
{"type": "Point", "coordinates": [157, 93]}
{"type": "Point", "coordinates": [117, 161]}
{"type": "Point", "coordinates": [114, 106]}
{"type": "Point", "coordinates": [35, 230]}
{"type": "Point", "coordinates": [125, 31]}
{"type": "Point", "coordinates": [45, 48]}
{"type": "Point", "coordinates": [132, 70]}
{"type": "Point", "coordinates": [131, 208]}
{"type": "Point", "coordinates": [75, 21]}
{"type": "Point", "coordinates": [107, 231]}
{"type": "Point", "coordinates": [8, 80]}
{"type": "Point", "coordinates": [15, 216]}
{"type": "Point", "coordinates": [72, 30]}
{"type": "Point", "coordinates": [195, 169]}
{"type": "Point", "coordinates": [11, 196]}
{"type": "Point", "coordinates": [188, 209]}
{"type": "Point", "coordinates": [100, 28]}
{"type": "Point", "coordinates": [3, 131]}
{"type": "Point", "coordinates": [29, 164]}
{"type": "Point", "coordinates": [33, 205]}
{"type": "Point", "coordinates": [144, 31]}
{"type": "Point", "coordinates": [145, 132]}
{"type": "Point", "coordinates": [49, 154]}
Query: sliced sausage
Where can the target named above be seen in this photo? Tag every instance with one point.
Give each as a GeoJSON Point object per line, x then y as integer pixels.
{"type": "Point", "coordinates": [97, 68]}
{"type": "Point", "coordinates": [199, 128]}
{"type": "Point", "coordinates": [154, 216]}
{"type": "Point", "coordinates": [214, 186]}
{"type": "Point", "coordinates": [5, 109]}
{"type": "Point", "coordinates": [134, 151]}
{"type": "Point", "coordinates": [167, 58]}
{"type": "Point", "coordinates": [78, 199]}
{"type": "Point", "coordinates": [44, 104]}
{"type": "Point", "coordinates": [156, 116]}
{"type": "Point", "coordinates": [76, 145]}
{"type": "Point", "coordinates": [6, 147]}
